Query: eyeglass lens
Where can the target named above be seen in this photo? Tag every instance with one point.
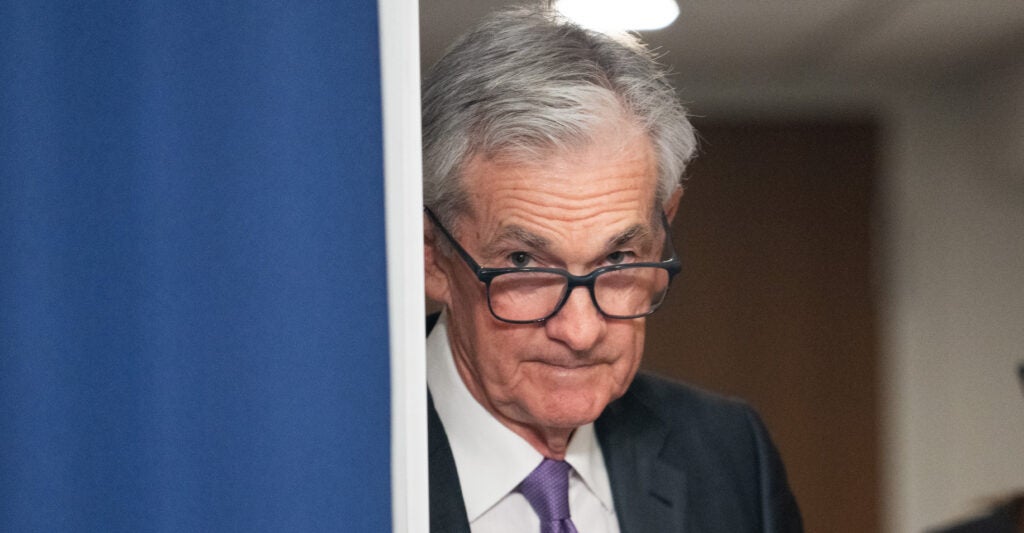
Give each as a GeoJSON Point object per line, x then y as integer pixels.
{"type": "Point", "coordinates": [530, 296]}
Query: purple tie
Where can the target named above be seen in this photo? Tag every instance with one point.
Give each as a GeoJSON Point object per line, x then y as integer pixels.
{"type": "Point", "coordinates": [547, 490]}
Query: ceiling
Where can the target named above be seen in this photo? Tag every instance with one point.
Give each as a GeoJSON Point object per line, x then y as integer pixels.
{"type": "Point", "coordinates": [736, 41]}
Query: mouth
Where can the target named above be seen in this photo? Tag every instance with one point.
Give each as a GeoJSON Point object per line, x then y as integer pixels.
{"type": "Point", "coordinates": [568, 364]}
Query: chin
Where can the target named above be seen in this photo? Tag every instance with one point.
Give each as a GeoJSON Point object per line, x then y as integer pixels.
{"type": "Point", "coordinates": [560, 398]}
{"type": "Point", "coordinates": [568, 410]}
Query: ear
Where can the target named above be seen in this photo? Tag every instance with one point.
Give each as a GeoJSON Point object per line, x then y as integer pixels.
{"type": "Point", "coordinates": [672, 204]}
{"type": "Point", "coordinates": [435, 275]}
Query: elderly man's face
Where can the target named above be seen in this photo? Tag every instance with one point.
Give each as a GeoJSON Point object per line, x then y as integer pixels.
{"type": "Point", "coordinates": [566, 212]}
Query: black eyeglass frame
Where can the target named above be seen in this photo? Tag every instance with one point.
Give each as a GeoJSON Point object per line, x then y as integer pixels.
{"type": "Point", "coordinates": [487, 274]}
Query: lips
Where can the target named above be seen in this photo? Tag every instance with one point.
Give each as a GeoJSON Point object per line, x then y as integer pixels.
{"type": "Point", "coordinates": [568, 364]}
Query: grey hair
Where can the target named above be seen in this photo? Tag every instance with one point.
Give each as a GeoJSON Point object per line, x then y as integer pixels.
{"type": "Point", "coordinates": [526, 83]}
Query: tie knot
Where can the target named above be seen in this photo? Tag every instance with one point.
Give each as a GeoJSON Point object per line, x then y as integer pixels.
{"type": "Point", "coordinates": [547, 490]}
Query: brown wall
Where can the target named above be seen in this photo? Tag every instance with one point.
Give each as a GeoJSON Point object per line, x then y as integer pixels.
{"type": "Point", "coordinates": [775, 302]}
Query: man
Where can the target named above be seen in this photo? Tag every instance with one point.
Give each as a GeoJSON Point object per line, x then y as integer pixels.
{"type": "Point", "coordinates": [552, 162]}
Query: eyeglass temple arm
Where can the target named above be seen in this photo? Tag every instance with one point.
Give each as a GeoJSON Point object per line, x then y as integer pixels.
{"type": "Point", "coordinates": [458, 247]}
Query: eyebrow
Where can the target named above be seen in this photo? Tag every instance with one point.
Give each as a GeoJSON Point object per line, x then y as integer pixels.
{"type": "Point", "coordinates": [633, 233]}
{"type": "Point", "coordinates": [518, 235]}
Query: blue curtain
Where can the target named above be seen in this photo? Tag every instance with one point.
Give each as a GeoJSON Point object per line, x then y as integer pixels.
{"type": "Point", "coordinates": [193, 329]}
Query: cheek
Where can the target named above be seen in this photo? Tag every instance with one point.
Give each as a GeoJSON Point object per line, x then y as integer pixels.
{"type": "Point", "coordinates": [503, 346]}
{"type": "Point", "coordinates": [631, 348]}
{"type": "Point", "coordinates": [468, 300]}
{"type": "Point", "coordinates": [493, 348]}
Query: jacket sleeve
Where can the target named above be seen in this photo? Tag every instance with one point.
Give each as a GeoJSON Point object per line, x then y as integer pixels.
{"type": "Point", "coordinates": [779, 511]}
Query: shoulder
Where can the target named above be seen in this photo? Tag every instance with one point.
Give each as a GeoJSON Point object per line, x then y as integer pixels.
{"type": "Point", "coordinates": [657, 389]}
{"type": "Point", "coordinates": [718, 444]}
{"type": "Point", "coordinates": [680, 405]}
{"type": "Point", "coordinates": [702, 429]}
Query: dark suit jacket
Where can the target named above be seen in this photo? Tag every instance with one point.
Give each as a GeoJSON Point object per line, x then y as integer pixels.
{"type": "Point", "coordinates": [1005, 518]}
{"type": "Point", "coordinates": [679, 460]}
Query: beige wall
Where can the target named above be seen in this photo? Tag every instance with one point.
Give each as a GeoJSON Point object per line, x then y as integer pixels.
{"type": "Point", "coordinates": [954, 298]}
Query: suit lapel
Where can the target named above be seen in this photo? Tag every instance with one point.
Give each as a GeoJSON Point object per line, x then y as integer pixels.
{"type": "Point", "coordinates": [447, 510]}
{"type": "Point", "coordinates": [649, 492]}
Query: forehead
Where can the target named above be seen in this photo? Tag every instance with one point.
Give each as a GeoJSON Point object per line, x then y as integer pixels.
{"type": "Point", "coordinates": [594, 191]}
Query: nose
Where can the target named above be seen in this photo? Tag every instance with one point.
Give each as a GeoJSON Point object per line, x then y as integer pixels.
{"type": "Point", "coordinates": [579, 325]}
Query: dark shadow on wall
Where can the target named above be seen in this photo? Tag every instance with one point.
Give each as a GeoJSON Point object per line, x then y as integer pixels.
{"type": "Point", "coordinates": [776, 300]}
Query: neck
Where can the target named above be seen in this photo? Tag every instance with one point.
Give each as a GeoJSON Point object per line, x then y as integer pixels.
{"type": "Point", "coordinates": [551, 442]}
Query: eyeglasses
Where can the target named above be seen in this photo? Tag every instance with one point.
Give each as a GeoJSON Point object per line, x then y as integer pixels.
{"type": "Point", "coordinates": [526, 295]}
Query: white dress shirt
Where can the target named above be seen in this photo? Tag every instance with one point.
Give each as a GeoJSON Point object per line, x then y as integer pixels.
{"type": "Point", "coordinates": [491, 460]}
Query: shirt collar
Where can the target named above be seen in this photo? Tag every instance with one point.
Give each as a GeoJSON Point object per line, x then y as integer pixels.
{"type": "Point", "coordinates": [584, 454]}
{"type": "Point", "coordinates": [490, 458]}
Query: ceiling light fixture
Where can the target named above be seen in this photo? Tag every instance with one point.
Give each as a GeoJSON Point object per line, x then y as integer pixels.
{"type": "Point", "coordinates": [620, 15]}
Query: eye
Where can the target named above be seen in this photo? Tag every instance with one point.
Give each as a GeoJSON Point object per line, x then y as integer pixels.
{"type": "Point", "coordinates": [619, 257]}
{"type": "Point", "coordinates": [520, 259]}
